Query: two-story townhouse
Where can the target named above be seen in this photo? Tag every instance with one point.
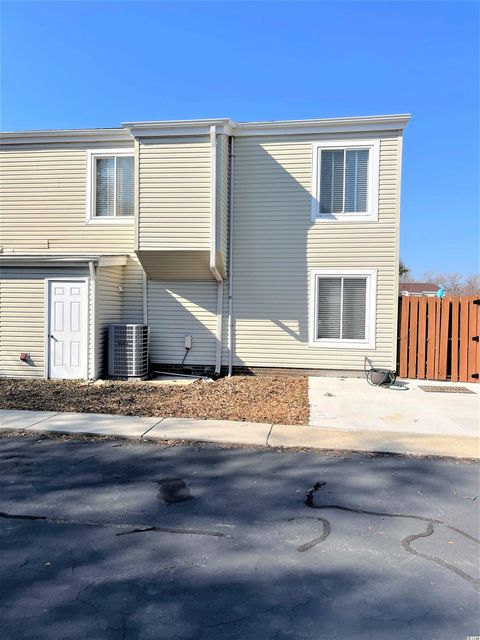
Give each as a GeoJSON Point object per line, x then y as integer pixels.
{"type": "Point", "coordinates": [275, 245]}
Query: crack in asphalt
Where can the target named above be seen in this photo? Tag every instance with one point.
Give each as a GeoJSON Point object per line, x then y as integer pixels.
{"type": "Point", "coordinates": [137, 528]}
{"type": "Point", "coordinates": [406, 542]}
{"type": "Point", "coordinates": [198, 532]}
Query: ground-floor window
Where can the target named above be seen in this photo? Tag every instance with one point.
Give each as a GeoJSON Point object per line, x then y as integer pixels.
{"type": "Point", "coordinates": [343, 308]}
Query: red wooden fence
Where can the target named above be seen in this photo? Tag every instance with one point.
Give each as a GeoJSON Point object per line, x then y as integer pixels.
{"type": "Point", "coordinates": [438, 338]}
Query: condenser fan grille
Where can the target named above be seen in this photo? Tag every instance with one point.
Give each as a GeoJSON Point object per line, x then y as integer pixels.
{"type": "Point", "coordinates": [128, 350]}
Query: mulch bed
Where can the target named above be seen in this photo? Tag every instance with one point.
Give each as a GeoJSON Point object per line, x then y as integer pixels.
{"type": "Point", "coordinates": [273, 399]}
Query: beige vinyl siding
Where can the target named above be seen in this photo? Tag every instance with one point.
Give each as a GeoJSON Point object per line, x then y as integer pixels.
{"type": "Point", "coordinates": [178, 309]}
{"type": "Point", "coordinates": [108, 310]}
{"type": "Point", "coordinates": [175, 193]}
{"type": "Point", "coordinates": [22, 318]}
{"type": "Point", "coordinates": [277, 245]}
{"type": "Point", "coordinates": [22, 327]}
{"type": "Point", "coordinates": [43, 204]}
{"type": "Point", "coordinates": [132, 310]}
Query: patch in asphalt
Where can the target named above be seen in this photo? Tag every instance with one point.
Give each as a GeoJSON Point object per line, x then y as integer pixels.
{"type": "Point", "coordinates": [173, 490]}
{"type": "Point", "coordinates": [111, 525]}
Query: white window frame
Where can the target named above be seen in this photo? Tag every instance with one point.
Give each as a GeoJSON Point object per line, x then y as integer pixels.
{"type": "Point", "coordinates": [371, 215]}
{"type": "Point", "coordinates": [370, 309]}
{"type": "Point", "coordinates": [92, 156]}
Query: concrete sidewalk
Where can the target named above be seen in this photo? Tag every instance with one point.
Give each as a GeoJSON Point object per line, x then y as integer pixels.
{"type": "Point", "coordinates": [240, 433]}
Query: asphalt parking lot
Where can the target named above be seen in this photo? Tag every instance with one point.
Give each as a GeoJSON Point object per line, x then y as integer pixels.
{"type": "Point", "coordinates": [110, 539]}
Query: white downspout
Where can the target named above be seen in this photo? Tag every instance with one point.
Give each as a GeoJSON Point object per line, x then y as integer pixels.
{"type": "Point", "coordinates": [230, 262]}
{"type": "Point", "coordinates": [213, 249]}
{"type": "Point", "coordinates": [92, 328]}
{"type": "Point", "coordinates": [218, 351]}
{"type": "Point", "coordinates": [145, 297]}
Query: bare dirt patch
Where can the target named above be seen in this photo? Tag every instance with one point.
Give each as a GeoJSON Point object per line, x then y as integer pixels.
{"type": "Point", "coordinates": [275, 399]}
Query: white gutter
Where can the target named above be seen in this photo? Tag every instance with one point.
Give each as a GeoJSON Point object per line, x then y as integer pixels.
{"type": "Point", "coordinates": [213, 248]}
{"type": "Point", "coordinates": [324, 125]}
{"type": "Point", "coordinates": [51, 136]}
{"type": "Point", "coordinates": [130, 130]}
{"type": "Point", "coordinates": [230, 261]}
{"type": "Point", "coordinates": [107, 260]}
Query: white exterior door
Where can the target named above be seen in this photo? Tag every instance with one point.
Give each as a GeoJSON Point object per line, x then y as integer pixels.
{"type": "Point", "coordinates": [67, 329]}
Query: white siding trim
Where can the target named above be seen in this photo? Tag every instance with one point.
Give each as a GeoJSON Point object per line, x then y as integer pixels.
{"type": "Point", "coordinates": [397, 246]}
{"type": "Point", "coordinates": [213, 203]}
{"type": "Point", "coordinates": [136, 194]}
{"type": "Point", "coordinates": [46, 317]}
{"type": "Point", "coordinates": [373, 180]}
{"type": "Point", "coordinates": [370, 315]}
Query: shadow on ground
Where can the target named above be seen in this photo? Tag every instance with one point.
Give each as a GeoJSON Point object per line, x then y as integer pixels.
{"type": "Point", "coordinates": [255, 563]}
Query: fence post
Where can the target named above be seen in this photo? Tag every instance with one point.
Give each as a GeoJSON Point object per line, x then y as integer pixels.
{"type": "Point", "coordinates": [432, 308]}
{"type": "Point", "coordinates": [405, 308]}
{"type": "Point", "coordinates": [422, 337]}
{"type": "Point", "coordinates": [473, 345]}
{"type": "Point", "coordinates": [454, 345]}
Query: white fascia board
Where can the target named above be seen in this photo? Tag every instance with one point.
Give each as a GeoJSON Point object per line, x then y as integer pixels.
{"type": "Point", "coordinates": [102, 260]}
{"type": "Point", "coordinates": [130, 130]}
{"type": "Point", "coordinates": [178, 127]}
{"type": "Point", "coordinates": [67, 135]}
{"type": "Point", "coordinates": [328, 125]}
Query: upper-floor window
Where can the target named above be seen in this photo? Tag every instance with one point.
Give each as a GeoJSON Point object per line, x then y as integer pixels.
{"type": "Point", "coordinates": [345, 180]}
{"type": "Point", "coordinates": [110, 186]}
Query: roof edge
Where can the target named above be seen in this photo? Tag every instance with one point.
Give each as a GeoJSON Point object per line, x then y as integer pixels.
{"type": "Point", "coordinates": [130, 130]}
{"type": "Point", "coordinates": [65, 135]}
{"type": "Point", "coordinates": [102, 259]}
{"type": "Point", "coordinates": [324, 125]}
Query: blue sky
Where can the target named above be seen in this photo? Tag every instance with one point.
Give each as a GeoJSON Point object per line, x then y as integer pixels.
{"type": "Point", "coordinates": [90, 64]}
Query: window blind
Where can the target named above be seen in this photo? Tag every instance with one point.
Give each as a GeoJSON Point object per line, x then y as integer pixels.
{"type": "Point", "coordinates": [356, 180]}
{"type": "Point", "coordinates": [329, 307]}
{"type": "Point", "coordinates": [341, 308]}
{"type": "Point", "coordinates": [343, 180]}
{"type": "Point", "coordinates": [354, 308]}
{"type": "Point", "coordinates": [331, 181]}
{"type": "Point", "coordinates": [105, 187]}
{"type": "Point", "coordinates": [124, 186]}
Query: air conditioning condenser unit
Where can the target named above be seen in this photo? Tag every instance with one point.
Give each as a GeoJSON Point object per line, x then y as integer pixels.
{"type": "Point", "coordinates": [128, 350]}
